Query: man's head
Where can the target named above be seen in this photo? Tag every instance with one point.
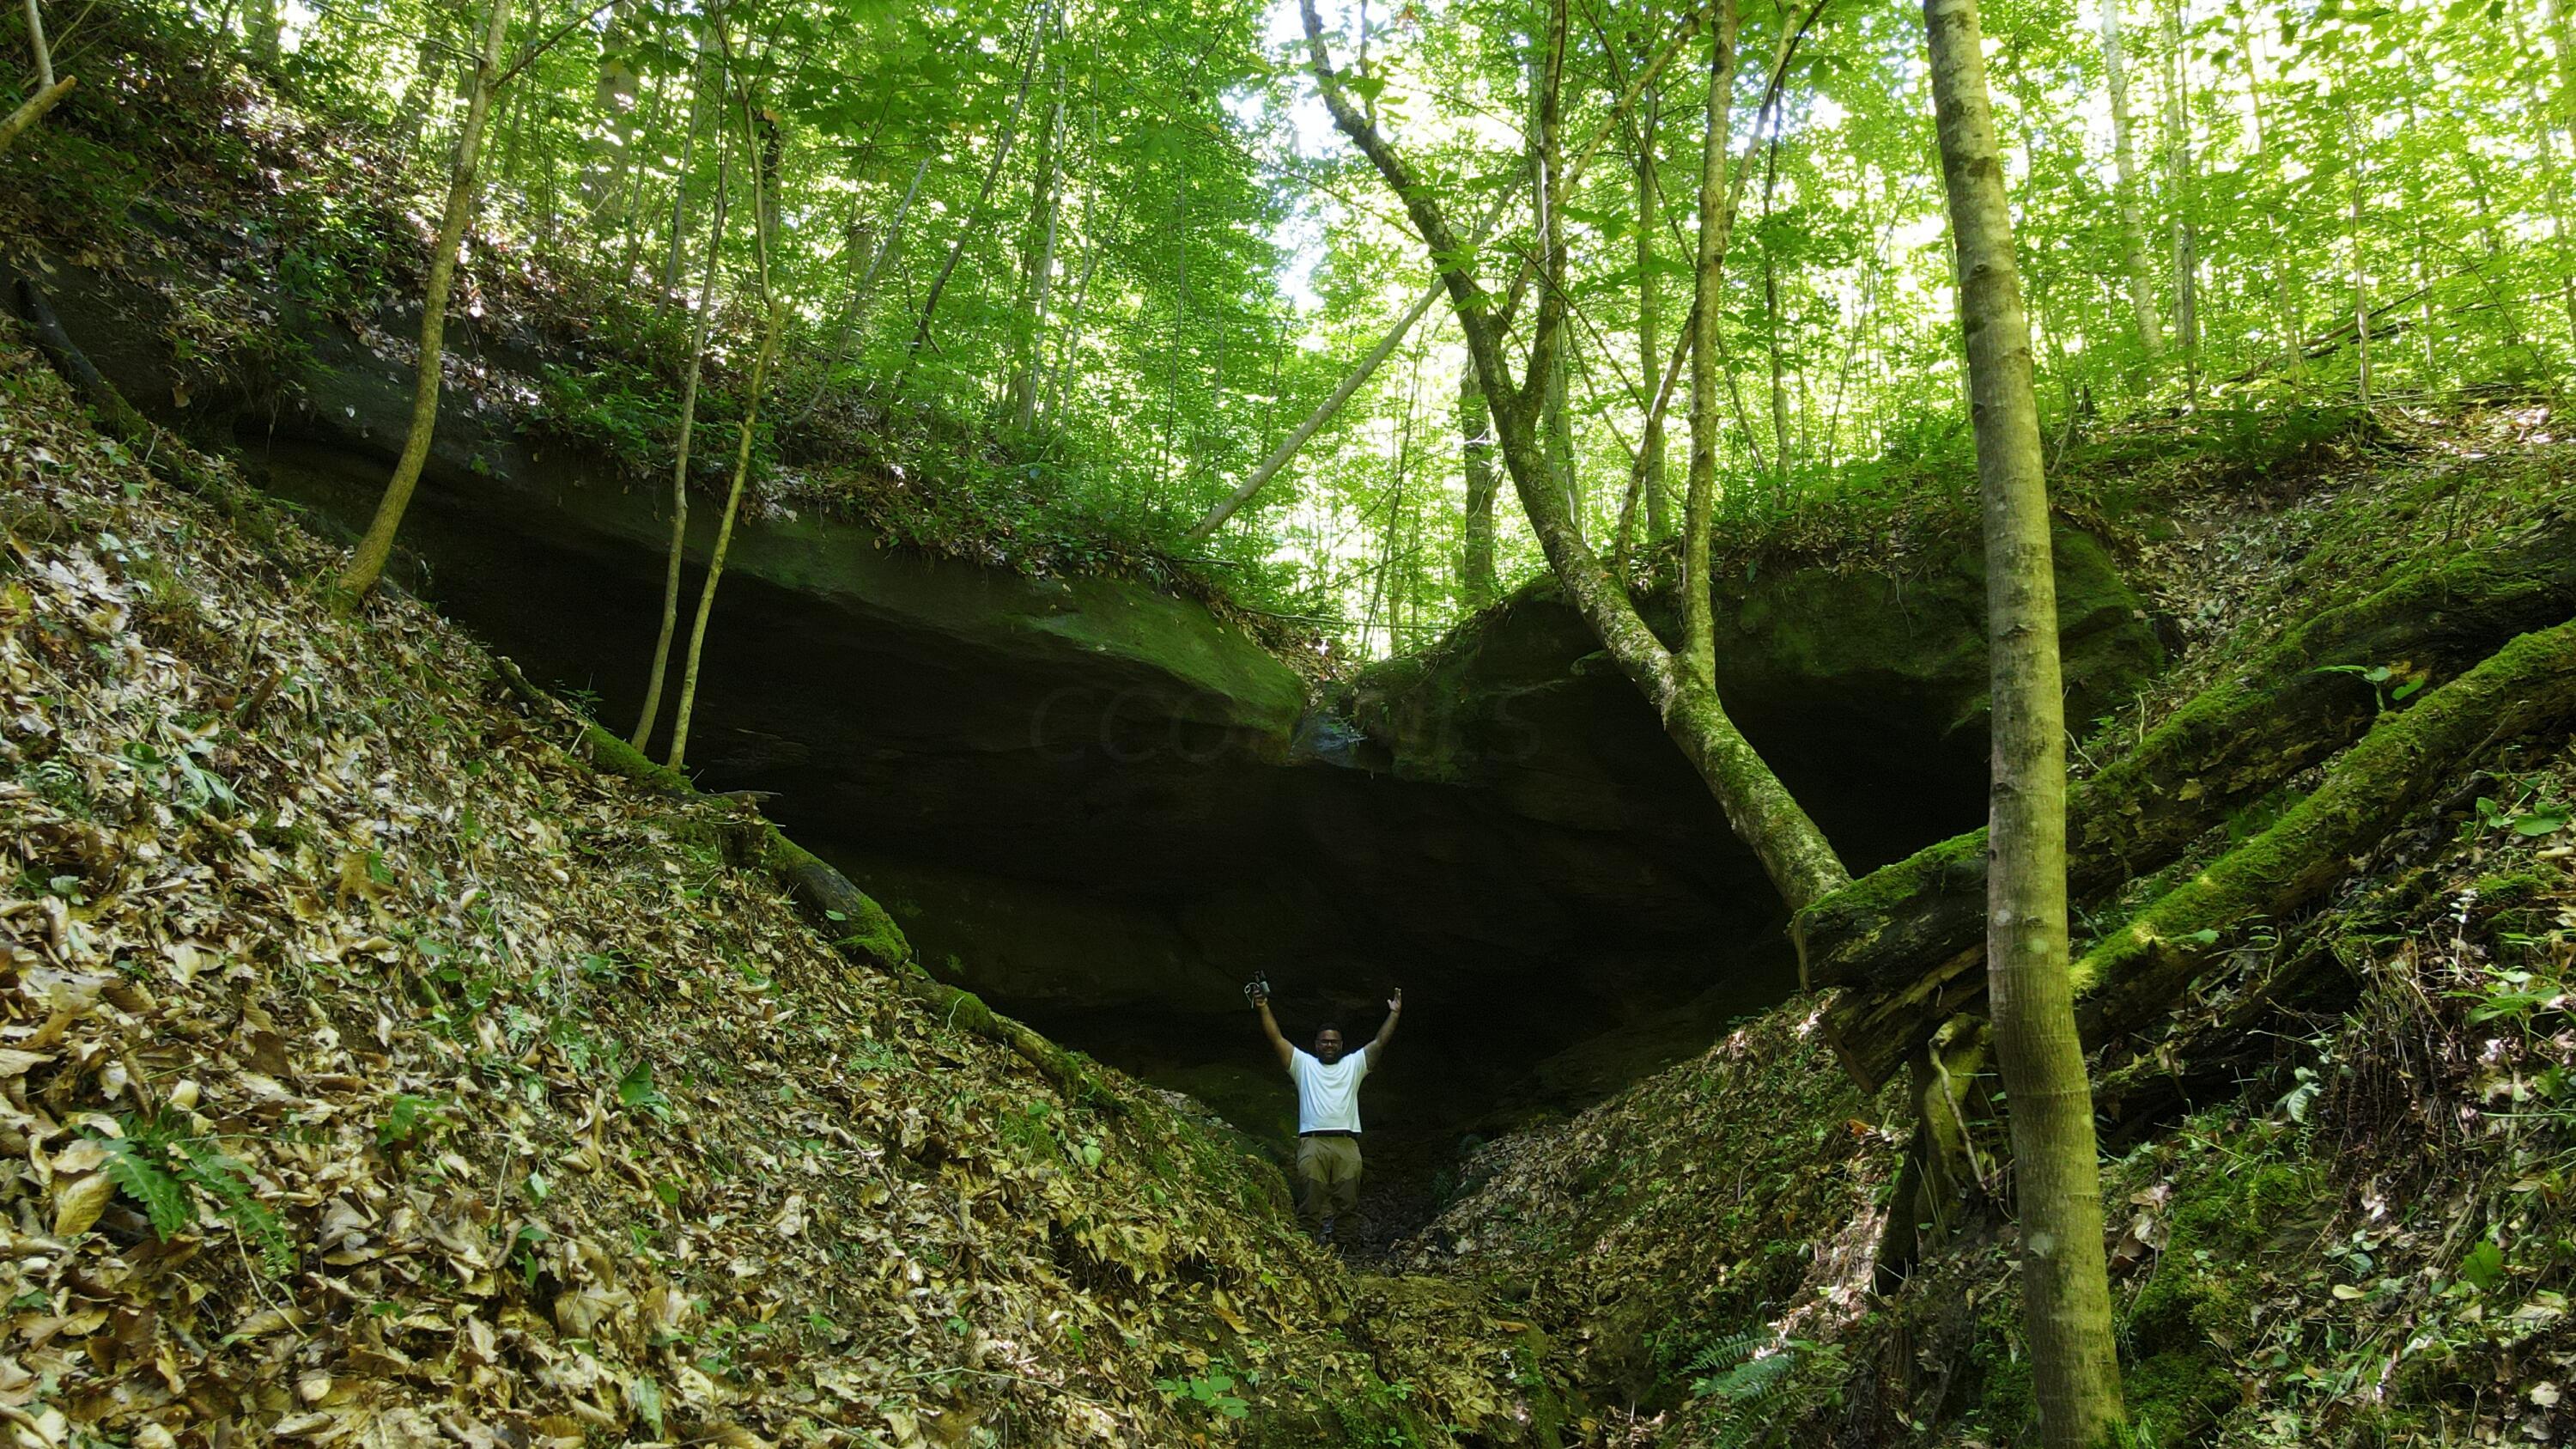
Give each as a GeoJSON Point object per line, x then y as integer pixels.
{"type": "Point", "coordinates": [1328, 1045]}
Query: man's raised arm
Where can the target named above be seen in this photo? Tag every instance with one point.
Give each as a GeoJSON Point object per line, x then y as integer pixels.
{"type": "Point", "coordinates": [1386, 1033]}
{"type": "Point", "coordinates": [1270, 1029]}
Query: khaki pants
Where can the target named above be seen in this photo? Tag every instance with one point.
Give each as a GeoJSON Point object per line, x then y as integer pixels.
{"type": "Point", "coordinates": [1328, 1177]}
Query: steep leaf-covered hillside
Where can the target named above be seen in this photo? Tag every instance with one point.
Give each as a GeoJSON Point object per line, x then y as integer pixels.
{"type": "Point", "coordinates": [378, 1071]}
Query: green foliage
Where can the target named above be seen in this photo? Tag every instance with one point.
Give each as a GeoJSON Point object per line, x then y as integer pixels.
{"type": "Point", "coordinates": [137, 1170]}
{"type": "Point", "coordinates": [160, 1169]}
{"type": "Point", "coordinates": [1210, 1393]}
{"type": "Point", "coordinates": [1752, 1388]}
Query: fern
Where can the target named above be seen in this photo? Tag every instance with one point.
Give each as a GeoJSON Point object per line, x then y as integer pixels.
{"type": "Point", "coordinates": [135, 1167]}
{"type": "Point", "coordinates": [157, 1169]}
{"type": "Point", "coordinates": [1725, 1353]}
{"type": "Point", "coordinates": [228, 1182]}
{"type": "Point", "coordinates": [1751, 1393]}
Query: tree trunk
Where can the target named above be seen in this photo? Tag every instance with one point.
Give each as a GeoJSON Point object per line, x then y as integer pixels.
{"type": "Point", "coordinates": [1070, 334]}
{"type": "Point", "coordinates": [2133, 222]}
{"type": "Point", "coordinates": [643, 734]}
{"type": "Point", "coordinates": [2285, 306]}
{"type": "Point", "coordinates": [967, 224]}
{"type": "Point", "coordinates": [2066, 1292]}
{"type": "Point", "coordinates": [707, 77]}
{"type": "Point", "coordinates": [2553, 16]}
{"type": "Point", "coordinates": [44, 53]}
{"type": "Point", "coordinates": [2178, 171]}
{"type": "Point", "coordinates": [1386, 346]}
{"type": "Point", "coordinates": [1476, 457]}
{"type": "Point", "coordinates": [1650, 219]}
{"type": "Point", "coordinates": [428, 70]}
{"type": "Point", "coordinates": [2360, 276]}
{"type": "Point", "coordinates": [368, 563]}
{"type": "Point", "coordinates": [1037, 269]}
{"type": "Point", "coordinates": [863, 295]}
{"type": "Point", "coordinates": [1716, 213]}
{"type": "Point", "coordinates": [613, 95]}
{"type": "Point", "coordinates": [1324, 412]}
{"type": "Point", "coordinates": [762, 178]}
{"type": "Point", "coordinates": [1780, 453]}
{"type": "Point", "coordinates": [262, 30]}
{"type": "Point", "coordinates": [1556, 427]}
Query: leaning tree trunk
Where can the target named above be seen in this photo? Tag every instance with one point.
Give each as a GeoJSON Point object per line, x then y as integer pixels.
{"type": "Point", "coordinates": [368, 563]}
{"type": "Point", "coordinates": [1793, 852]}
{"type": "Point", "coordinates": [2066, 1292]}
{"type": "Point", "coordinates": [680, 473]}
{"type": "Point", "coordinates": [974, 214]}
{"type": "Point", "coordinates": [2124, 154]}
{"type": "Point", "coordinates": [1902, 944]}
{"type": "Point", "coordinates": [33, 111]}
{"type": "Point", "coordinates": [2141, 970]}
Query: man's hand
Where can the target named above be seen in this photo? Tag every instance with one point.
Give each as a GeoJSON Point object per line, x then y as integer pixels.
{"type": "Point", "coordinates": [1377, 1046]}
{"type": "Point", "coordinates": [1260, 994]}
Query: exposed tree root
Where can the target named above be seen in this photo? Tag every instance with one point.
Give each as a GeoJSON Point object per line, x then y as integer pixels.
{"type": "Point", "coordinates": [1904, 942]}
{"type": "Point", "coordinates": [857, 926]}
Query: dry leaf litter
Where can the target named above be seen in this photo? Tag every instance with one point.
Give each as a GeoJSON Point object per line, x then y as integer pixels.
{"type": "Point", "coordinates": [373, 1072]}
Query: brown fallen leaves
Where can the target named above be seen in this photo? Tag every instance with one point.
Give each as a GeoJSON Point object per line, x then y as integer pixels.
{"type": "Point", "coordinates": [372, 1073]}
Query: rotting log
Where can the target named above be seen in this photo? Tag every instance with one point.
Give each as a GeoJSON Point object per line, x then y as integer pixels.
{"type": "Point", "coordinates": [857, 927]}
{"type": "Point", "coordinates": [1900, 941]}
{"type": "Point", "coordinates": [2141, 969]}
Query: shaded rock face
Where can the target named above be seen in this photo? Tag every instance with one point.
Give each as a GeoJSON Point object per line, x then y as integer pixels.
{"type": "Point", "coordinates": [1104, 808]}
{"type": "Point", "coordinates": [1866, 692]}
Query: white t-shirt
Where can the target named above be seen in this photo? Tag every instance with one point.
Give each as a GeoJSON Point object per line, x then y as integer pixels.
{"type": "Point", "coordinates": [1328, 1097]}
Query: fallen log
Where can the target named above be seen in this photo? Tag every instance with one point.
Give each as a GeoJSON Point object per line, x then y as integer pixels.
{"type": "Point", "coordinates": [33, 111]}
{"type": "Point", "coordinates": [1889, 938]}
{"type": "Point", "coordinates": [858, 928]}
{"type": "Point", "coordinates": [2139, 972]}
